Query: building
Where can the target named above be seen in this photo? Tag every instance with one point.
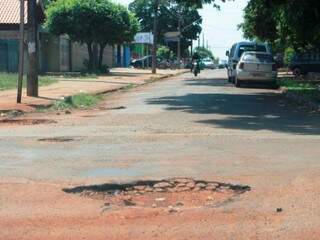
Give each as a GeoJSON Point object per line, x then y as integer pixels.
{"type": "Point", "coordinates": [56, 53]}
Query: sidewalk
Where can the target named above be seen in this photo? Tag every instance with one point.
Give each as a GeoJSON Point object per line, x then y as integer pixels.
{"type": "Point", "coordinates": [117, 79]}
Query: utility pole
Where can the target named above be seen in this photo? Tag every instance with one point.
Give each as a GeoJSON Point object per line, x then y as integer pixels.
{"type": "Point", "coordinates": [155, 34]}
{"type": "Point", "coordinates": [21, 52]}
{"type": "Point", "coordinates": [32, 82]}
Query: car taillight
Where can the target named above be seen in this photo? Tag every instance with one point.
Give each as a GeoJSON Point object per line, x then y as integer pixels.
{"type": "Point", "coordinates": [274, 67]}
{"type": "Point", "coordinates": [241, 66]}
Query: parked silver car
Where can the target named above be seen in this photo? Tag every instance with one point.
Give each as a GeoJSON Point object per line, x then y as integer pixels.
{"type": "Point", "coordinates": [256, 67]}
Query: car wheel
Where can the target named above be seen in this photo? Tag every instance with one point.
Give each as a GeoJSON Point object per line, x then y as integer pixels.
{"type": "Point", "coordinates": [237, 83]}
{"type": "Point", "coordinates": [297, 72]}
{"type": "Point", "coordinates": [274, 85]}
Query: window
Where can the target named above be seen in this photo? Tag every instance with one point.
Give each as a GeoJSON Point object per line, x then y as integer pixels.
{"type": "Point", "coordinates": [232, 50]}
{"type": "Point", "coordinates": [256, 57]}
{"type": "Point", "coordinates": [255, 48]}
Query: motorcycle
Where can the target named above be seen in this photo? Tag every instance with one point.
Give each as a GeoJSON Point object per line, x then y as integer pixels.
{"type": "Point", "coordinates": [196, 68]}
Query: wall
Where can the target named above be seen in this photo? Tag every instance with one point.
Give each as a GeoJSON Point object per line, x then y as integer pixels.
{"type": "Point", "coordinates": [54, 53]}
{"type": "Point", "coordinates": [64, 58]}
{"type": "Point", "coordinates": [79, 53]}
{"type": "Point", "coordinates": [49, 53]}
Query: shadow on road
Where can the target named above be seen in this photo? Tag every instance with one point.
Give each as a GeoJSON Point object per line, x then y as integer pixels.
{"type": "Point", "coordinates": [246, 111]}
{"type": "Point", "coordinates": [215, 82]}
{"type": "Point", "coordinates": [220, 82]}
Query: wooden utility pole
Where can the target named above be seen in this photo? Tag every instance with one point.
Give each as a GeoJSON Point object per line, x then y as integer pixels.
{"type": "Point", "coordinates": [155, 34]}
{"type": "Point", "coordinates": [21, 52]}
{"type": "Point", "coordinates": [32, 82]}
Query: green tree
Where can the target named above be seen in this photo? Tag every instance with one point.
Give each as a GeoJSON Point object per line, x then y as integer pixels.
{"type": "Point", "coordinates": [283, 23]}
{"type": "Point", "coordinates": [97, 23]}
{"type": "Point", "coordinates": [168, 20]}
{"type": "Point", "coordinates": [204, 52]}
{"type": "Point", "coordinates": [164, 52]}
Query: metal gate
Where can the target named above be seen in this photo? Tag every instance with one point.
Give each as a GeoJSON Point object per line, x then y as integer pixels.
{"type": "Point", "coordinates": [9, 56]}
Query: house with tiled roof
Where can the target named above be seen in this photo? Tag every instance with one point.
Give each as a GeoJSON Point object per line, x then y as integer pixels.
{"type": "Point", "coordinates": [56, 53]}
{"type": "Point", "coordinates": [9, 31]}
{"type": "Point", "coordinates": [10, 13]}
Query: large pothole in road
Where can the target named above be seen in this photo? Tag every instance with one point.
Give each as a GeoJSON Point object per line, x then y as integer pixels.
{"type": "Point", "coordinates": [172, 194]}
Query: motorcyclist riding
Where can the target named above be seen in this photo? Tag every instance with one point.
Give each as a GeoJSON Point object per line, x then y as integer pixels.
{"type": "Point", "coordinates": [195, 66]}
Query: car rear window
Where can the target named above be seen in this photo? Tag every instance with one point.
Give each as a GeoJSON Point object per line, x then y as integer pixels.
{"type": "Point", "coordinates": [256, 57]}
{"type": "Point", "coordinates": [251, 48]}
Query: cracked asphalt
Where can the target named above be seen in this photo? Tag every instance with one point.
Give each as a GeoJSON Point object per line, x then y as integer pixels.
{"type": "Point", "coordinates": [202, 128]}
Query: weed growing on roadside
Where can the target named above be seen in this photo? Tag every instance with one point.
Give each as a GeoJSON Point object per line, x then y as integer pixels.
{"type": "Point", "coordinates": [81, 100]}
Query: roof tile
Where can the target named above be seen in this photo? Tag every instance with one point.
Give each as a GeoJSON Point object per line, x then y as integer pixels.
{"type": "Point", "coordinates": [10, 11]}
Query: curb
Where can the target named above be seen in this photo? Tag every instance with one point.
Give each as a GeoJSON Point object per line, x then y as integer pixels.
{"type": "Point", "coordinates": [300, 99]}
{"type": "Point", "coordinates": [148, 81]}
{"type": "Point", "coordinates": [151, 80]}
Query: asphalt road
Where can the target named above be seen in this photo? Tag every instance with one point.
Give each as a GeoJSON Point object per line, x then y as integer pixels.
{"type": "Point", "coordinates": [199, 127]}
{"type": "Point", "coordinates": [190, 127]}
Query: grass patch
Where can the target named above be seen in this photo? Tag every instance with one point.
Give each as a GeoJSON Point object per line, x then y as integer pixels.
{"type": "Point", "coordinates": [81, 100]}
{"type": "Point", "coordinates": [9, 81]}
{"type": "Point", "coordinates": [128, 87]}
{"type": "Point", "coordinates": [310, 91]}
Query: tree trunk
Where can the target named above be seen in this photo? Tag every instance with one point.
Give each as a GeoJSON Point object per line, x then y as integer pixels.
{"type": "Point", "coordinates": [101, 51]}
{"type": "Point", "coordinates": [95, 55]}
{"type": "Point", "coordinates": [90, 52]}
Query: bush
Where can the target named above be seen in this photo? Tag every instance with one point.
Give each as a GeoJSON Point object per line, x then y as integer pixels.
{"type": "Point", "coordinates": [164, 52]}
{"type": "Point", "coordinates": [81, 100]}
{"type": "Point", "coordinates": [288, 56]}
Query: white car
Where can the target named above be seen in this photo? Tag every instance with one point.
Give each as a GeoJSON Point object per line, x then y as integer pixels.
{"type": "Point", "coordinates": [208, 63]}
{"type": "Point", "coordinates": [236, 52]}
{"type": "Point", "coordinates": [256, 67]}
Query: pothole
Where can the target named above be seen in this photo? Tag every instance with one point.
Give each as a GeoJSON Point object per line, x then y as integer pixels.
{"type": "Point", "coordinates": [26, 121]}
{"type": "Point", "coordinates": [171, 194]}
{"type": "Point", "coordinates": [116, 108]}
{"type": "Point", "coordinates": [56, 139]}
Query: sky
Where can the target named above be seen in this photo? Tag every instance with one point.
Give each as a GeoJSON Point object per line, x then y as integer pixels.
{"type": "Point", "coordinates": [219, 27]}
